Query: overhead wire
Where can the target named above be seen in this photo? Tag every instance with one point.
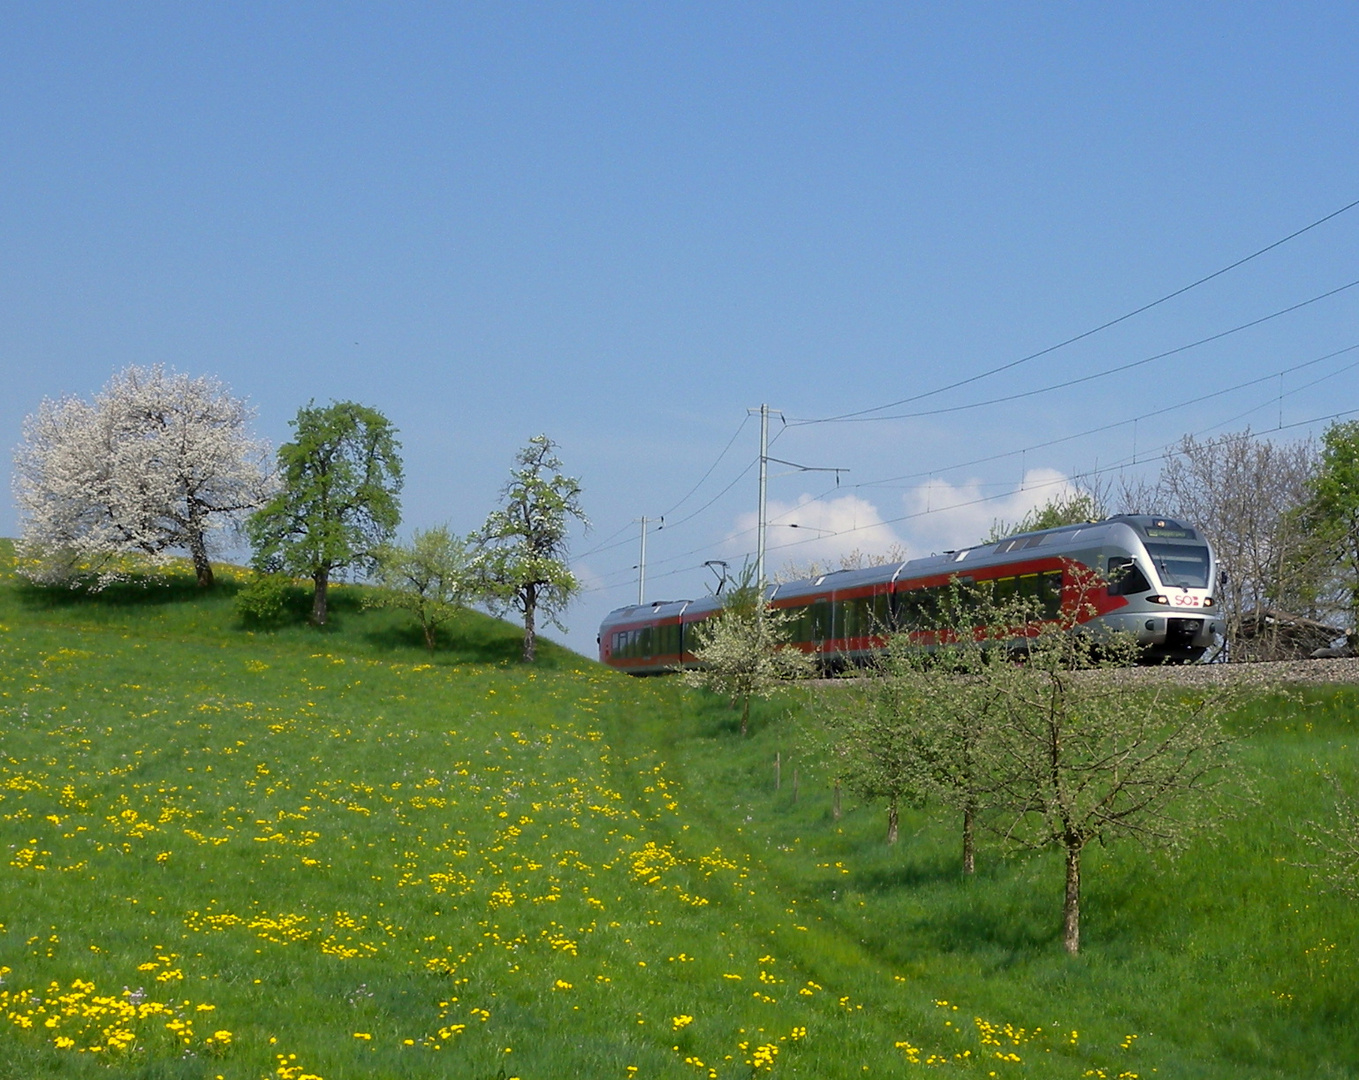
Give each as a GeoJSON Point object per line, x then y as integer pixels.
{"type": "Point", "coordinates": [1065, 384]}
{"type": "Point", "coordinates": [607, 545]}
{"type": "Point", "coordinates": [1113, 425]}
{"type": "Point", "coordinates": [1093, 330]}
{"type": "Point", "coordinates": [1161, 454]}
{"type": "Point", "coordinates": [864, 414]}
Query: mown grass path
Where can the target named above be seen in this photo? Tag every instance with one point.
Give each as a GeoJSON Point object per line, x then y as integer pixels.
{"type": "Point", "coordinates": [301, 855]}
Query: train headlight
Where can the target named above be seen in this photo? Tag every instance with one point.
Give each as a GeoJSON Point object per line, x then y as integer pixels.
{"type": "Point", "coordinates": [1158, 599]}
{"type": "Point", "coordinates": [1207, 601]}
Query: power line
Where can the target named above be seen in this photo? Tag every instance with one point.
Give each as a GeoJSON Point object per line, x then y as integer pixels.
{"type": "Point", "coordinates": [608, 545]}
{"type": "Point", "coordinates": [740, 428]}
{"type": "Point", "coordinates": [1094, 330]}
{"type": "Point", "coordinates": [1162, 454]}
{"type": "Point", "coordinates": [1123, 423]}
{"type": "Point", "coordinates": [1018, 395]}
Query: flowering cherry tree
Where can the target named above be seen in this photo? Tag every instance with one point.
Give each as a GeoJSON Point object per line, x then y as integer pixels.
{"type": "Point", "coordinates": [159, 463]}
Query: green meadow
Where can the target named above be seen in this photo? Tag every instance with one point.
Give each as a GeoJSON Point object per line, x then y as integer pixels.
{"type": "Point", "coordinates": [287, 853]}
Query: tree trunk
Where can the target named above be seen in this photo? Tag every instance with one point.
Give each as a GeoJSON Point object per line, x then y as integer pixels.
{"type": "Point", "coordinates": [745, 715]}
{"type": "Point", "coordinates": [429, 636]}
{"type": "Point", "coordinates": [202, 567]}
{"type": "Point", "coordinates": [530, 631]}
{"type": "Point", "coordinates": [835, 802]}
{"type": "Point", "coordinates": [321, 597]}
{"type": "Point", "coordinates": [969, 839]}
{"type": "Point", "coordinates": [1071, 909]}
{"type": "Point", "coordinates": [892, 821]}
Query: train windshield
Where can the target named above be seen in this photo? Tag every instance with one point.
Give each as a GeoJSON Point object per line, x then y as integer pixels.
{"type": "Point", "coordinates": [1180, 565]}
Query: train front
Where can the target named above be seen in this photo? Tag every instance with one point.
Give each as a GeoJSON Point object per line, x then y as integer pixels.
{"type": "Point", "coordinates": [1168, 575]}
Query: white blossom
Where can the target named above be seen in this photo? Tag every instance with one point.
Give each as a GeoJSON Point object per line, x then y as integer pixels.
{"type": "Point", "coordinates": [158, 464]}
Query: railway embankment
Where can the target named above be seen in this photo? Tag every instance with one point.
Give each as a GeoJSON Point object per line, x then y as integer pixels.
{"type": "Point", "coordinates": [1263, 674]}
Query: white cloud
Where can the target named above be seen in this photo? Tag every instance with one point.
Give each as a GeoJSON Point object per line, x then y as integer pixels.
{"type": "Point", "coordinates": [939, 516]}
{"type": "Point", "coordinates": [821, 531]}
{"type": "Point", "coordinates": [959, 515]}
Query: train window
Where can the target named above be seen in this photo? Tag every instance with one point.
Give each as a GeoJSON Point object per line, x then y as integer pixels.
{"type": "Point", "coordinates": [847, 618]}
{"type": "Point", "coordinates": [1126, 577]}
{"type": "Point", "coordinates": [906, 610]}
{"type": "Point", "coordinates": [1004, 590]}
{"type": "Point", "coordinates": [918, 609]}
{"type": "Point", "coordinates": [820, 617]}
{"type": "Point", "coordinates": [863, 617]}
{"type": "Point", "coordinates": [1182, 565]}
{"type": "Point", "coordinates": [882, 614]}
{"type": "Point", "coordinates": [1050, 593]}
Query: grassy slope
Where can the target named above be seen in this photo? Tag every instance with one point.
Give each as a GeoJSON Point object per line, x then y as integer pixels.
{"type": "Point", "coordinates": [387, 864]}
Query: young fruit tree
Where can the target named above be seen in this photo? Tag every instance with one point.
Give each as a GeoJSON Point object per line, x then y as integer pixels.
{"type": "Point", "coordinates": [972, 635]}
{"type": "Point", "coordinates": [742, 652]}
{"type": "Point", "coordinates": [337, 506]}
{"type": "Point", "coordinates": [159, 463]}
{"type": "Point", "coordinates": [1337, 843]}
{"type": "Point", "coordinates": [1075, 757]}
{"type": "Point", "coordinates": [914, 727]}
{"type": "Point", "coordinates": [432, 577]}
{"type": "Point", "coordinates": [872, 738]}
{"type": "Point", "coordinates": [522, 549]}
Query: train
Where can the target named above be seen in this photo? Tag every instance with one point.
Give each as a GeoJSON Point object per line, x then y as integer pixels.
{"type": "Point", "coordinates": [1156, 579]}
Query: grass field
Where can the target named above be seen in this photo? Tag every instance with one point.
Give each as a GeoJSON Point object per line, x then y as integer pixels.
{"type": "Point", "coordinates": [298, 854]}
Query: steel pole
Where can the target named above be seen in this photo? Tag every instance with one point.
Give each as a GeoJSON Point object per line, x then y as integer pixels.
{"type": "Point", "coordinates": [764, 469]}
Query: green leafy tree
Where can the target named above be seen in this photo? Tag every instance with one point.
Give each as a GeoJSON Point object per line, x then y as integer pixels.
{"type": "Point", "coordinates": [742, 650]}
{"type": "Point", "coordinates": [432, 577]}
{"type": "Point", "coordinates": [1064, 508]}
{"type": "Point", "coordinates": [522, 547]}
{"type": "Point", "coordinates": [1333, 509]}
{"type": "Point", "coordinates": [338, 503]}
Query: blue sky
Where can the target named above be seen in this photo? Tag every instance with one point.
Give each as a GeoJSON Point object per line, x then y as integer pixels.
{"type": "Point", "coordinates": [625, 224]}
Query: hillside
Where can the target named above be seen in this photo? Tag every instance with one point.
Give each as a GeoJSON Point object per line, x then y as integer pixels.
{"type": "Point", "coordinates": [240, 854]}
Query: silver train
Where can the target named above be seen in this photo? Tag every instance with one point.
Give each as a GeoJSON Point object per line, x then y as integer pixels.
{"type": "Point", "coordinates": [1157, 579]}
